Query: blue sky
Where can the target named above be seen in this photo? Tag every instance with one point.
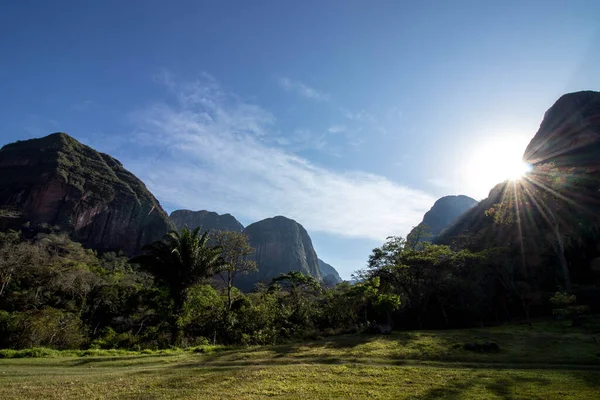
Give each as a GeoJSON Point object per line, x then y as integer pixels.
{"type": "Point", "coordinates": [351, 117]}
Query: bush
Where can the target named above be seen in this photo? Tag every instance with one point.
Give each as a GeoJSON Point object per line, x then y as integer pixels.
{"type": "Point", "coordinates": [48, 327]}
{"type": "Point", "coordinates": [113, 340]}
{"type": "Point", "coordinates": [35, 352]}
{"type": "Point", "coordinates": [565, 307]}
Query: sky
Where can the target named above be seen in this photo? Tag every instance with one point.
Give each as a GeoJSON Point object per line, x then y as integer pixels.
{"type": "Point", "coordinates": [351, 117]}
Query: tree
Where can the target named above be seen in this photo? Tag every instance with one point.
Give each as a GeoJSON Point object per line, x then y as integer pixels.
{"type": "Point", "coordinates": [180, 260]}
{"type": "Point", "coordinates": [15, 258]}
{"type": "Point", "coordinates": [297, 282]}
{"type": "Point", "coordinates": [235, 251]}
{"type": "Point", "coordinates": [203, 312]}
{"type": "Point", "coordinates": [370, 294]}
{"type": "Point", "coordinates": [418, 236]}
{"type": "Point", "coordinates": [387, 254]}
{"type": "Point", "coordinates": [302, 290]}
{"type": "Point", "coordinates": [419, 277]}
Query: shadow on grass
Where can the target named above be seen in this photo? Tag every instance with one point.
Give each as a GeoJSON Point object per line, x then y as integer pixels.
{"type": "Point", "coordinates": [590, 378]}
{"type": "Point", "coordinates": [104, 359]}
{"type": "Point", "coordinates": [336, 342]}
{"type": "Point", "coordinates": [292, 349]}
{"type": "Point", "coordinates": [502, 387]}
{"type": "Point", "coordinates": [398, 348]}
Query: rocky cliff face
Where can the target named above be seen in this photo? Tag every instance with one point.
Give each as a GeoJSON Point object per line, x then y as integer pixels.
{"type": "Point", "coordinates": [328, 271]}
{"type": "Point", "coordinates": [281, 245]}
{"type": "Point", "coordinates": [56, 180]}
{"type": "Point", "coordinates": [570, 133]}
{"type": "Point", "coordinates": [206, 219]}
{"type": "Point", "coordinates": [444, 212]}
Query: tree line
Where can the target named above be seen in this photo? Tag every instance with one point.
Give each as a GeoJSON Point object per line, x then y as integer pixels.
{"type": "Point", "coordinates": [180, 291]}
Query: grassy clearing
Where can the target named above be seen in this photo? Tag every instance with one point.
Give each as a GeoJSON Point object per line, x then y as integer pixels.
{"type": "Point", "coordinates": [534, 364]}
{"type": "Point", "coordinates": [42, 352]}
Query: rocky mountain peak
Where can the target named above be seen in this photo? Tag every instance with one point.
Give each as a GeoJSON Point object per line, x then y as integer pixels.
{"type": "Point", "coordinates": [569, 134]}
{"type": "Point", "coordinates": [57, 180]}
{"type": "Point", "coordinates": [208, 220]}
{"type": "Point", "coordinates": [443, 213]}
{"type": "Point", "coordinates": [281, 245]}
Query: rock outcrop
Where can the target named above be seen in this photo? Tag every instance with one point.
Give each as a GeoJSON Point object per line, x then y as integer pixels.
{"type": "Point", "coordinates": [569, 134]}
{"type": "Point", "coordinates": [58, 181]}
{"type": "Point", "coordinates": [206, 219]}
{"type": "Point", "coordinates": [328, 273]}
{"type": "Point", "coordinates": [444, 212]}
{"type": "Point", "coordinates": [281, 245]}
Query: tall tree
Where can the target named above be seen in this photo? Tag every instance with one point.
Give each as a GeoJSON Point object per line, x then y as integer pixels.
{"type": "Point", "coordinates": [235, 251]}
{"type": "Point", "coordinates": [180, 260]}
{"type": "Point", "coordinates": [302, 291]}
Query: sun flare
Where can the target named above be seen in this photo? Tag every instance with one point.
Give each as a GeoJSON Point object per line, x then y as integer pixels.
{"type": "Point", "coordinates": [517, 171]}
{"type": "Point", "coordinates": [494, 161]}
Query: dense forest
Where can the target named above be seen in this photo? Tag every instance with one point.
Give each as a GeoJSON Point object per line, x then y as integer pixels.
{"type": "Point", "coordinates": [181, 290]}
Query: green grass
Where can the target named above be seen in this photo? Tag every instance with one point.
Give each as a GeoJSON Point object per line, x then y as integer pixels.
{"type": "Point", "coordinates": [42, 352]}
{"type": "Point", "coordinates": [541, 363]}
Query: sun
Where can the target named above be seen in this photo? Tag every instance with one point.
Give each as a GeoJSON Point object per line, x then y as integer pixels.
{"type": "Point", "coordinates": [493, 161]}
{"type": "Point", "coordinates": [517, 170]}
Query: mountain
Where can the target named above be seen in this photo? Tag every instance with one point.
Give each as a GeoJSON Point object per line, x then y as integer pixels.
{"type": "Point", "coordinates": [568, 137]}
{"type": "Point", "coordinates": [58, 181]}
{"type": "Point", "coordinates": [474, 219]}
{"type": "Point", "coordinates": [328, 271]}
{"type": "Point", "coordinates": [281, 245]}
{"type": "Point", "coordinates": [206, 219]}
{"type": "Point", "coordinates": [443, 213]}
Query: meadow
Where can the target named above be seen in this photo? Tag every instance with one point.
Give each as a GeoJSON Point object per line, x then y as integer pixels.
{"type": "Point", "coordinates": [543, 362]}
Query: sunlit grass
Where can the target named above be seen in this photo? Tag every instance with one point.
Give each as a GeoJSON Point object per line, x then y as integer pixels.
{"type": "Point", "coordinates": [544, 362]}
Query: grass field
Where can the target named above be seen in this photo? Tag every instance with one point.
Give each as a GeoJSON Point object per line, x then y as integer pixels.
{"type": "Point", "coordinates": [540, 363]}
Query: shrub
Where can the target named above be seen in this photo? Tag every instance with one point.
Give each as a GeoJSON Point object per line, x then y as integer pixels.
{"type": "Point", "coordinates": [34, 352]}
{"type": "Point", "coordinates": [113, 340]}
{"type": "Point", "coordinates": [48, 327]}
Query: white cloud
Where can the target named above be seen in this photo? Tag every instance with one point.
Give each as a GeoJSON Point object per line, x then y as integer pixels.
{"type": "Point", "coordinates": [303, 90]}
{"type": "Point", "coordinates": [336, 129]}
{"type": "Point", "coordinates": [356, 143]}
{"type": "Point", "coordinates": [212, 151]}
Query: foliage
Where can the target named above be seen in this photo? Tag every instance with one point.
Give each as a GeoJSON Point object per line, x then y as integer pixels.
{"type": "Point", "coordinates": [179, 261]}
{"type": "Point", "coordinates": [565, 306]}
{"type": "Point", "coordinates": [418, 237]}
{"type": "Point", "coordinates": [235, 250]}
{"type": "Point", "coordinates": [57, 294]}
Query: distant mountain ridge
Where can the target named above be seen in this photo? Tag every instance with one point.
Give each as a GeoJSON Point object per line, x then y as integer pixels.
{"type": "Point", "coordinates": [444, 212]}
{"type": "Point", "coordinates": [208, 220]}
{"type": "Point", "coordinates": [281, 244]}
{"type": "Point", "coordinates": [328, 271]}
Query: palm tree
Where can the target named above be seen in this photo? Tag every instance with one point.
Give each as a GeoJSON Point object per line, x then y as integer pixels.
{"type": "Point", "coordinates": [180, 260]}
